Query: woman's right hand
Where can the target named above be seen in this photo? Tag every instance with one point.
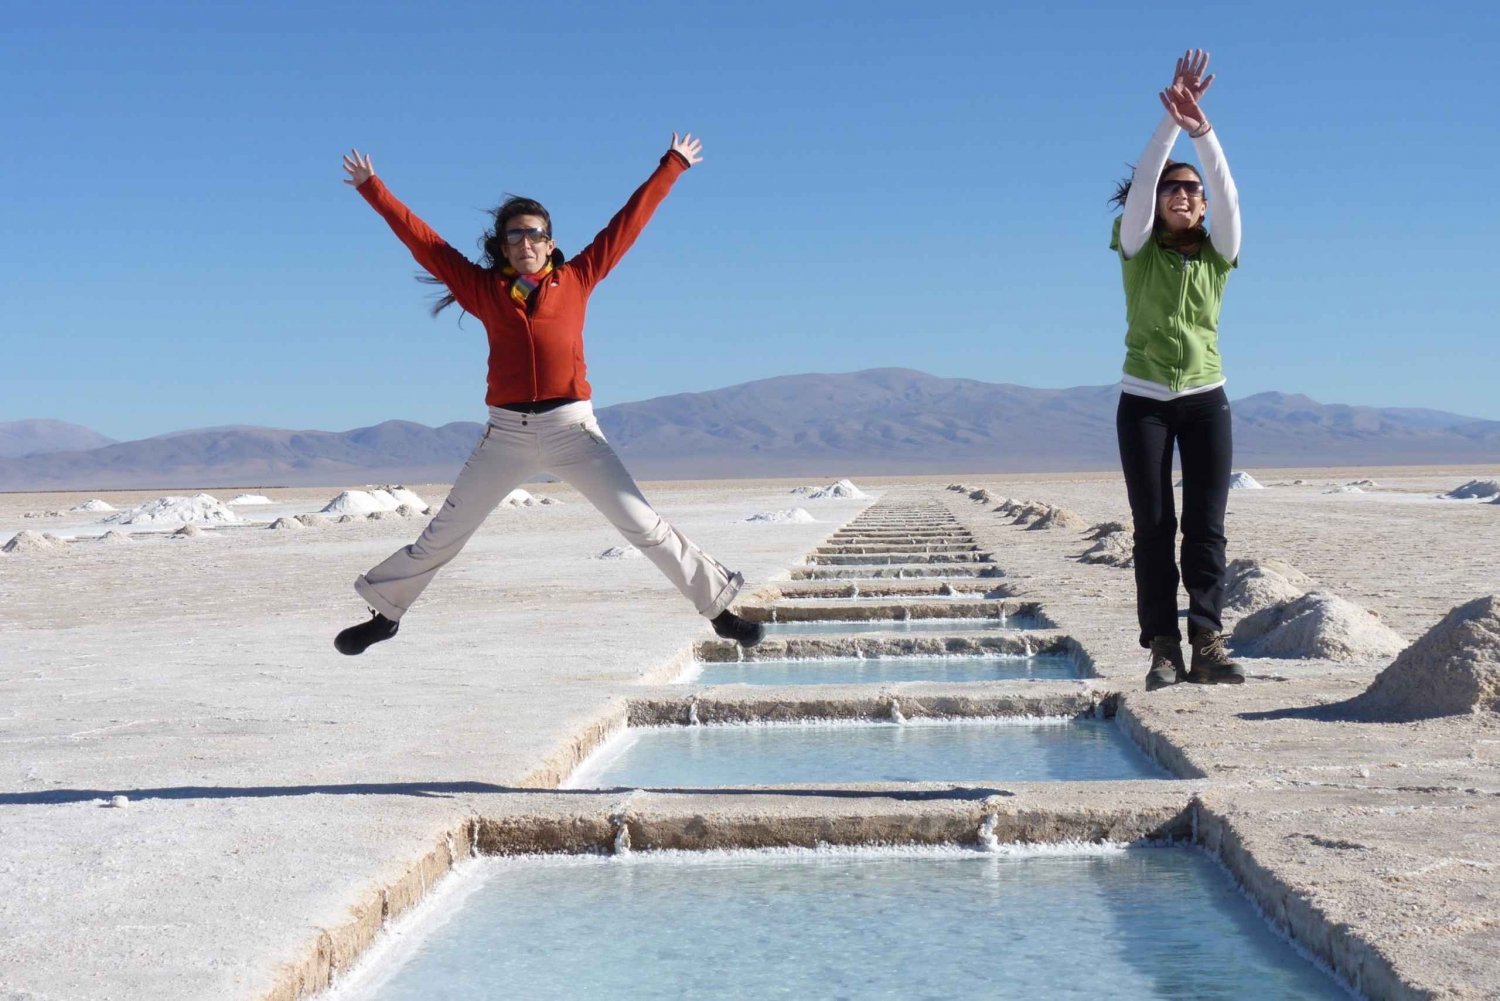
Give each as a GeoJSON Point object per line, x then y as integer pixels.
{"type": "Point", "coordinates": [359, 167]}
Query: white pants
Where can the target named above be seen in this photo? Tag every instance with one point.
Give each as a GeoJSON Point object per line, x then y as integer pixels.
{"type": "Point", "coordinates": [567, 442]}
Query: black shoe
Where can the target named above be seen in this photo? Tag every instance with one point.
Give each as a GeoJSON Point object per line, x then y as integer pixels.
{"type": "Point", "coordinates": [1211, 663]}
{"type": "Point", "coordinates": [731, 627]}
{"type": "Point", "coordinates": [355, 639]}
{"type": "Point", "coordinates": [1166, 663]}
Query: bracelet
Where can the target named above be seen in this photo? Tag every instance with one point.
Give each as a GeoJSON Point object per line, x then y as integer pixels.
{"type": "Point", "coordinates": [1209, 127]}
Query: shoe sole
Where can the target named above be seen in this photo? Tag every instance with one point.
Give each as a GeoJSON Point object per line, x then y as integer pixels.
{"type": "Point", "coordinates": [1216, 679]}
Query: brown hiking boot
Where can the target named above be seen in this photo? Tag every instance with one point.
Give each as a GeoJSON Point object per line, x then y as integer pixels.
{"type": "Point", "coordinates": [1166, 663]}
{"type": "Point", "coordinates": [1211, 663]}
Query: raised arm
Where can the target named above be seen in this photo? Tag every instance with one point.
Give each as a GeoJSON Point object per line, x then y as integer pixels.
{"type": "Point", "coordinates": [431, 251]}
{"type": "Point", "coordinates": [599, 257]}
{"type": "Point", "coordinates": [1223, 196]}
{"type": "Point", "coordinates": [1140, 203]}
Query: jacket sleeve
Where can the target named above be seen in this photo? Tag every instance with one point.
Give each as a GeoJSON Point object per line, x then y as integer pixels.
{"type": "Point", "coordinates": [599, 257]}
{"type": "Point", "coordinates": [462, 276]}
{"type": "Point", "coordinates": [1224, 197]}
{"type": "Point", "coordinates": [1140, 204]}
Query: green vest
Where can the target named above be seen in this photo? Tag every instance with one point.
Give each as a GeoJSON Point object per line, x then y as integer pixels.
{"type": "Point", "coordinates": [1172, 313]}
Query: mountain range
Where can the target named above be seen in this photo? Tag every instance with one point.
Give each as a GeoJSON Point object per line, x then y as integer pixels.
{"type": "Point", "coordinates": [880, 421]}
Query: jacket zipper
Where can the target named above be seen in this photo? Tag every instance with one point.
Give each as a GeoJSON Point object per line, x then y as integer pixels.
{"type": "Point", "coordinates": [1178, 376]}
{"type": "Point", "coordinates": [526, 310]}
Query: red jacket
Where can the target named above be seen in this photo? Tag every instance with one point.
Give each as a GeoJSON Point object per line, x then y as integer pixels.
{"type": "Point", "coordinates": [535, 354]}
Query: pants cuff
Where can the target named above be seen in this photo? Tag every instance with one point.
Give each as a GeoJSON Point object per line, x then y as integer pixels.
{"type": "Point", "coordinates": [725, 597]}
{"type": "Point", "coordinates": [374, 600]}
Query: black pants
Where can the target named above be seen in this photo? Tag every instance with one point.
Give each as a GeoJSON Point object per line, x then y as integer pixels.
{"type": "Point", "coordinates": [1199, 425]}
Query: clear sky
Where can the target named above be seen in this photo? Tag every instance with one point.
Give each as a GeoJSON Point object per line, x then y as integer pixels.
{"type": "Point", "coordinates": [885, 184]}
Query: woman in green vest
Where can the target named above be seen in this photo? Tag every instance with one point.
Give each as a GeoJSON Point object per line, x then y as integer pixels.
{"type": "Point", "coordinates": [1172, 392]}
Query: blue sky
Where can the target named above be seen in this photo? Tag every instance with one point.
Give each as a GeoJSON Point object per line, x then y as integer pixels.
{"type": "Point", "coordinates": [885, 184]}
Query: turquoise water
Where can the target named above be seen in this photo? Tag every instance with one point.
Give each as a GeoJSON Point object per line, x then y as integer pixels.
{"type": "Point", "coordinates": [697, 757]}
{"type": "Point", "coordinates": [1124, 924]}
{"type": "Point", "coordinates": [966, 625]}
{"type": "Point", "coordinates": [852, 671]}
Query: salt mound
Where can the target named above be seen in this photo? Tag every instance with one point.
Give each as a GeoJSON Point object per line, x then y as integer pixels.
{"type": "Point", "coordinates": [352, 502]}
{"type": "Point", "coordinates": [793, 516]}
{"type": "Point", "coordinates": [1319, 626]}
{"type": "Point", "coordinates": [94, 505]}
{"type": "Point", "coordinates": [620, 553]}
{"type": "Point", "coordinates": [1363, 483]}
{"type": "Point", "coordinates": [1453, 668]}
{"type": "Point", "coordinates": [984, 496]}
{"type": "Point", "coordinates": [187, 532]}
{"type": "Point", "coordinates": [344, 519]}
{"type": "Point", "coordinates": [113, 537]}
{"type": "Point", "coordinates": [200, 510]}
{"type": "Point", "coordinates": [286, 525]}
{"type": "Point", "coordinates": [1104, 528]}
{"type": "Point", "coordinates": [840, 489]}
{"type": "Point", "coordinates": [1347, 488]}
{"type": "Point", "coordinates": [959, 487]}
{"type": "Point", "coordinates": [518, 498]}
{"type": "Point", "coordinates": [401, 495]}
{"type": "Point", "coordinates": [33, 542]}
{"type": "Point", "coordinates": [1475, 488]}
{"type": "Point", "coordinates": [1059, 517]}
{"type": "Point", "coordinates": [381, 515]}
{"type": "Point", "coordinates": [387, 498]}
{"type": "Point", "coordinates": [1244, 481]}
{"type": "Point", "coordinates": [545, 500]}
{"type": "Point", "coordinates": [314, 520]}
{"type": "Point", "coordinates": [1114, 549]}
{"type": "Point", "coordinates": [249, 499]}
{"type": "Point", "coordinates": [1029, 511]}
{"type": "Point", "coordinates": [1252, 585]}
{"type": "Point", "coordinates": [409, 511]}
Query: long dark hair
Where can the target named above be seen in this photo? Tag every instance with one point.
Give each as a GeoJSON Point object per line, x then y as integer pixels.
{"type": "Point", "coordinates": [492, 242]}
{"type": "Point", "coordinates": [1122, 191]}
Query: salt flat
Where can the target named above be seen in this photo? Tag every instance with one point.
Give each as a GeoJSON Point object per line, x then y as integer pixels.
{"type": "Point", "coordinates": [272, 783]}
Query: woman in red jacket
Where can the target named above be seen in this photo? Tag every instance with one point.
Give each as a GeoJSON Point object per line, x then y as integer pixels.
{"type": "Point", "coordinates": [532, 302]}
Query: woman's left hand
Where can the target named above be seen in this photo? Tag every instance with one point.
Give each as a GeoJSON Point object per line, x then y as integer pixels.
{"type": "Point", "coordinates": [688, 148]}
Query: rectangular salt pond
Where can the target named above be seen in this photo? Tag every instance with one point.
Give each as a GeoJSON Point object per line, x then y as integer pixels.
{"type": "Point", "coordinates": [822, 627]}
{"type": "Point", "coordinates": [879, 670]}
{"type": "Point", "coordinates": [1022, 749]}
{"type": "Point", "coordinates": [1092, 922]}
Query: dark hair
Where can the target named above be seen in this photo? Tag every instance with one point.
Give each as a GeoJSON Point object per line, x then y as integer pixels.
{"type": "Point", "coordinates": [492, 242]}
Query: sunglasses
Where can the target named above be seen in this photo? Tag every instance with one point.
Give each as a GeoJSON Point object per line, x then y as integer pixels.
{"type": "Point", "coordinates": [530, 234]}
{"type": "Point", "coordinates": [1190, 188]}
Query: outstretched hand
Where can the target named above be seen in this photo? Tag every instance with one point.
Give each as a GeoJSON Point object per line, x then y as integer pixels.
{"type": "Point", "coordinates": [1189, 72]}
{"type": "Point", "coordinates": [359, 167]}
{"type": "Point", "coordinates": [1188, 85]}
{"type": "Point", "coordinates": [688, 148]}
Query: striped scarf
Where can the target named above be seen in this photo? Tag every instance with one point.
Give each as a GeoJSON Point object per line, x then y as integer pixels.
{"type": "Point", "coordinates": [521, 286]}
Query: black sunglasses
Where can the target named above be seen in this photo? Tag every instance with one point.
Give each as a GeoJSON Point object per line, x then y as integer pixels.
{"type": "Point", "coordinates": [1189, 188]}
{"type": "Point", "coordinates": [535, 234]}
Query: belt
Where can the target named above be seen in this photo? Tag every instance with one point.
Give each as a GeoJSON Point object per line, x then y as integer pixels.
{"type": "Point", "coordinates": [538, 406]}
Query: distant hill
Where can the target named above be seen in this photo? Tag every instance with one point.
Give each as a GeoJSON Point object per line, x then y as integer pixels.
{"type": "Point", "coordinates": [33, 437]}
{"type": "Point", "coordinates": [881, 421]}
